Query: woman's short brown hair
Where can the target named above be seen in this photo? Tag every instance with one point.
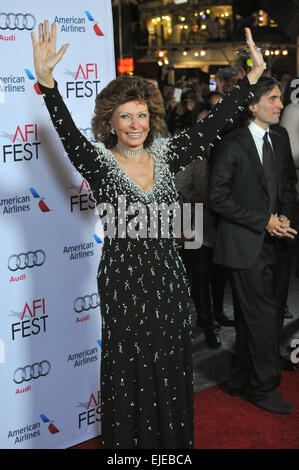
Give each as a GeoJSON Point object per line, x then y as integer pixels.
{"type": "Point", "coordinates": [120, 91]}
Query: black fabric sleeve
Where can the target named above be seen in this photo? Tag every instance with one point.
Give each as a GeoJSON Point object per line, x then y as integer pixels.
{"type": "Point", "coordinates": [195, 142]}
{"type": "Point", "coordinates": [83, 155]}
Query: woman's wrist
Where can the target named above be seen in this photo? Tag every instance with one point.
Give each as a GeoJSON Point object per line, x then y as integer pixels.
{"type": "Point", "coordinates": [47, 81]}
{"type": "Point", "coordinates": [253, 76]}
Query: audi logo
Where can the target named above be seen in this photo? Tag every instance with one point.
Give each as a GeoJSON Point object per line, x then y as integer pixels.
{"type": "Point", "coordinates": [86, 303]}
{"type": "Point", "coordinates": [26, 260]}
{"type": "Point", "coordinates": [27, 373]}
{"type": "Point", "coordinates": [18, 21]}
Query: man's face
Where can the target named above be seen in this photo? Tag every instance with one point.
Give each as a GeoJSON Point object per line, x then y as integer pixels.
{"type": "Point", "coordinates": [267, 110]}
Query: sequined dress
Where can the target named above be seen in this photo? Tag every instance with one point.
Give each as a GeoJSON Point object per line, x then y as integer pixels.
{"type": "Point", "coordinates": [146, 364]}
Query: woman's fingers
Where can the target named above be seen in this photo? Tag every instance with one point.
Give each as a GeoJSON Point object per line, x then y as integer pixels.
{"type": "Point", "coordinates": [249, 39]}
{"type": "Point", "coordinates": [46, 31]}
{"type": "Point", "coordinates": [40, 33]}
{"type": "Point", "coordinates": [53, 33]}
{"type": "Point", "coordinates": [33, 38]}
{"type": "Point", "coordinates": [61, 52]}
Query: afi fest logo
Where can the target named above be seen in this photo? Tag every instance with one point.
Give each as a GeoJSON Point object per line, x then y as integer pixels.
{"type": "Point", "coordinates": [24, 144]}
{"type": "Point", "coordinates": [82, 201]}
{"type": "Point", "coordinates": [35, 324]}
{"type": "Point", "coordinates": [85, 81]}
{"type": "Point", "coordinates": [92, 411]}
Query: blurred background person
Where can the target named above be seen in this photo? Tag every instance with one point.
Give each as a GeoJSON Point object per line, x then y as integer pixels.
{"type": "Point", "coordinates": [226, 79]}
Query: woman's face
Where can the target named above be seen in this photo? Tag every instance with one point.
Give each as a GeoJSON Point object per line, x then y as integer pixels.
{"type": "Point", "coordinates": [131, 123]}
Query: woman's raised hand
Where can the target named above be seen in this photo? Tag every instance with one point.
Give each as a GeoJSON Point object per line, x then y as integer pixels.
{"type": "Point", "coordinates": [44, 53]}
{"type": "Point", "coordinates": [256, 56]}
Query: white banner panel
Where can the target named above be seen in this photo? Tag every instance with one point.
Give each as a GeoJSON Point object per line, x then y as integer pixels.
{"type": "Point", "coordinates": [50, 325]}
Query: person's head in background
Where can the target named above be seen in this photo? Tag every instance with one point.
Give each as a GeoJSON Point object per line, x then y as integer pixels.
{"type": "Point", "coordinates": [204, 83]}
{"type": "Point", "coordinates": [189, 99]}
{"type": "Point", "coordinates": [283, 79]}
{"type": "Point", "coordinates": [225, 79]}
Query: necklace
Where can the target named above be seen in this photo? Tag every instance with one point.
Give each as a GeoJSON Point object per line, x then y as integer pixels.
{"type": "Point", "coordinates": [129, 153]}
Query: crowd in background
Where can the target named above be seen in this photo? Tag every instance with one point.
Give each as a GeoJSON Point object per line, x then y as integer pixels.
{"type": "Point", "coordinates": [187, 101]}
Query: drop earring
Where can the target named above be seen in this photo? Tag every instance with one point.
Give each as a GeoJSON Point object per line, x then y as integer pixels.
{"type": "Point", "coordinates": [112, 131]}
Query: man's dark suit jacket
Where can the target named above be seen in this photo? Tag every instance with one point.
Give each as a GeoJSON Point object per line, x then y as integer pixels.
{"type": "Point", "coordinates": [238, 193]}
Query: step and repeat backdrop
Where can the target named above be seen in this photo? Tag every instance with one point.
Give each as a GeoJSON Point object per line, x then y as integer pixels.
{"type": "Point", "coordinates": [50, 325]}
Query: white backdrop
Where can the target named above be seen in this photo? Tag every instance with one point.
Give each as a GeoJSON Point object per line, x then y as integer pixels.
{"type": "Point", "coordinates": [50, 318]}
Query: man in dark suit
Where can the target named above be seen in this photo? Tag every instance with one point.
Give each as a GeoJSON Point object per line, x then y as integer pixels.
{"type": "Point", "coordinates": [251, 191]}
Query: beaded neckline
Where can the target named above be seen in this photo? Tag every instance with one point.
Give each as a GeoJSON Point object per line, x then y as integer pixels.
{"type": "Point", "coordinates": [129, 153]}
{"type": "Point", "coordinates": [117, 166]}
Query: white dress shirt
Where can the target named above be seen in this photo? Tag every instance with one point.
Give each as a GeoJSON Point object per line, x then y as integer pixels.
{"type": "Point", "coordinates": [258, 133]}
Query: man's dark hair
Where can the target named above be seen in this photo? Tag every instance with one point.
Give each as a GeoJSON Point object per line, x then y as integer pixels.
{"type": "Point", "coordinates": [261, 88]}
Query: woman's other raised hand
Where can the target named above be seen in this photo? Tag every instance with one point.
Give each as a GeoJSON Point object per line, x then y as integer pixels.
{"type": "Point", "coordinates": [44, 53]}
{"type": "Point", "coordinates": [256, 56]}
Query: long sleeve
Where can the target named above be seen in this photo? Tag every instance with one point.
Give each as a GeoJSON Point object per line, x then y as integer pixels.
{"type": "Point", "coordinates": [83, 155]}
{"type": "Point", "coordinates": [194, 143]}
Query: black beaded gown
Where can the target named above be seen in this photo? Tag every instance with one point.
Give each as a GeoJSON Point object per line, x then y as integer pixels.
{"type": "Point", "coordinates": [146, 364]}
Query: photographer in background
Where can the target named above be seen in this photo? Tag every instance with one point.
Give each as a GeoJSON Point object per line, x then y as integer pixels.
{"type": "Point", "coordinates": [226, 79]}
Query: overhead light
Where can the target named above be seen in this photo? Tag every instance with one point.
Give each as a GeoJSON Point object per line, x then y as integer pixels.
{"type": "Point", "coordinates": [285, 52]}
{"type": "Point", "coordinates": [202, 53]}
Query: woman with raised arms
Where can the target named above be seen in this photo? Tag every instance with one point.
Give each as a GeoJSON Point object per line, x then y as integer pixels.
{"type": "Point", "coordinates": [146, 369]}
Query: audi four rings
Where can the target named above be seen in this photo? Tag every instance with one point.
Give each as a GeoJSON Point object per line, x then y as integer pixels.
{"type": "Point", "coordinates": [18, 21]}
{"type": "Point", "coordinates": [27, 373]}
{"type": "Point", "coordinates": [26, 260]}
{"type": "Point", "coordinates": [86, 303]}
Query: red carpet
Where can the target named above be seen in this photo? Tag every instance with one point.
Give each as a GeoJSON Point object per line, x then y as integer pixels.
{"type": "Point", "coordinates": [225, 422]}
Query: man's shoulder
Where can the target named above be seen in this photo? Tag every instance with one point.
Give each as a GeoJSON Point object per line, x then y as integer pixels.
{"type": "Point", "coordinates": [279, 131]}
{"type": "Point", "coordinates": [236, 131]}
{"type": "Point", "coordinates": [235, 135]}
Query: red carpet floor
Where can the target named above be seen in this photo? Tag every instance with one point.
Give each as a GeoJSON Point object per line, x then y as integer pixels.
{"type": "Point", "coordinates": [225, 422]}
